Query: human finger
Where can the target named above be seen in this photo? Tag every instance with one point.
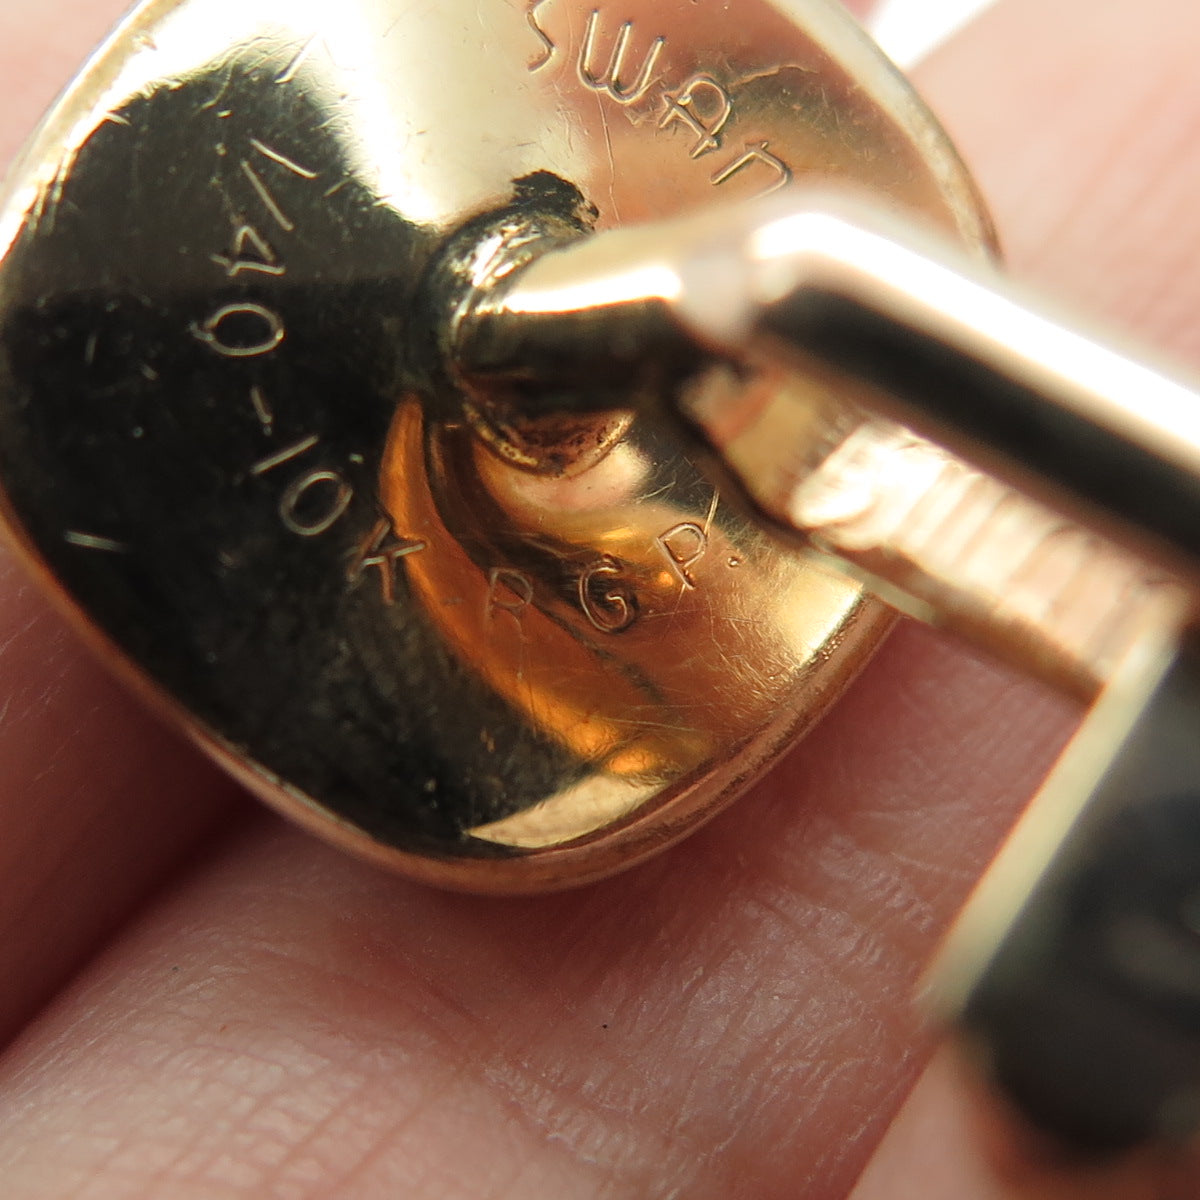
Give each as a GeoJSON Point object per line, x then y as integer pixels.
{"type": "Point", "coordinates": [756, 979]}
{"type": "Point", "coordinates": [1116, 244]}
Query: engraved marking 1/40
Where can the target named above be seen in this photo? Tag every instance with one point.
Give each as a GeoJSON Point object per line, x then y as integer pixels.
{"type": "Point", "coordinates": [250, 252]}
{"type": "Point", "coordinates": [91, 541]}
{"type": "Point", "coordinates": [690, 107]}
{"type": "Point", "coordinates": [293, 68]}
{"type": "Point", "coordinates": [285, 456]}
{"type": "Point", "coordinates": [264, 193]}
{"type": "Point", "coordinates": [313, 503]}
{"type": "Point", "coordinates": [263, 410]}
{"type": "Point", "coordinates": [283, 160]}
{"type": "Point", "coordinates": [269, 202]}
{"type": "Point", "coordinates": [508, 592]}
{"type": "Point", "coordinates": [211, 332]}
{"type": "Point", "coordinates": [384, 549]}
{"type": "Point", "coordinates": [549, 47]}
{"type": "Point", "coordinates": [612, 81]}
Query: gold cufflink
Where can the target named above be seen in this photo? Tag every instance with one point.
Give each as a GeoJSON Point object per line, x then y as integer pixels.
{"type": "Point", "coordinates": [494, 435]}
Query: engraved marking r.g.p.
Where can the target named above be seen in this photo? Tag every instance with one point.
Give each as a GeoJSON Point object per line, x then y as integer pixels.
{"type": "Point", "coordinates": [684, 546]}
{"type": "Point", "coordinates": [508, 592]}
{"type": "Point", "coordinates": [607, 601]}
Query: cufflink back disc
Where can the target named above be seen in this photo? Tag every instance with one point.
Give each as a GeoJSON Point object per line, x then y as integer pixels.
{"type": "Point", "coordinates": [498, 654]}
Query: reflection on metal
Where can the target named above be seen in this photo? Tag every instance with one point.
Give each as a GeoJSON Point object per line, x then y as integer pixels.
{"type": "Point", "coordinates": [345, 366]}
{"type": "Point", "coordinates": [1074, 975]}
{"type": "Point", "coordinates": [494, 650]}
{"type": "Point", "coordinates": [783, 309]}
{"type": "Point", "coordinates": [598, 802]}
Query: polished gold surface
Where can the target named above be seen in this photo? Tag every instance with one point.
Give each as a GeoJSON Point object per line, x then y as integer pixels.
{"type": "Point", "coordinates": [647, 637]}
{"type": "Point", "coordinates": [1074, 976]}
{"type": "Point", "coordinates": [495, 651]}
{"type": "Point", "coordinates": [808, 324]}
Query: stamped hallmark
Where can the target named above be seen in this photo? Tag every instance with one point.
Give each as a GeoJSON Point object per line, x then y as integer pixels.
{"type": "Point", "coordinates": [616, 80]}
{"type": "Point", "coordinates": [314, 503]}
{"type": "Point", "coordinates": [549, 46]}
{"type": "Point", "coordinates": [606, 599]}
{"type": "Point", "coordinates": [383, 551]}
{"type": "Point", "coordinates": [628, 69]}
{"type": "Point", "coordinates": [683, 546]}
{"type": "Point", "coordinates": [246, 330]}
{"type": "Point", "coordinates": [509, 592]}
{"type": "Point", "coordinates": [704, 107]}
{"type": "Point", "coordinates": [757, 154]}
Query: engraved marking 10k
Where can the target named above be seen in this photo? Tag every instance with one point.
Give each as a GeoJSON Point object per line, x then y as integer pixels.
{"type": "Point", "coordinates": [384, 550]}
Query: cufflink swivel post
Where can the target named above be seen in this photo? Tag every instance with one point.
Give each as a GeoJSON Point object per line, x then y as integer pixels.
{"type": "Point", "coordinates": [1075, 973]}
